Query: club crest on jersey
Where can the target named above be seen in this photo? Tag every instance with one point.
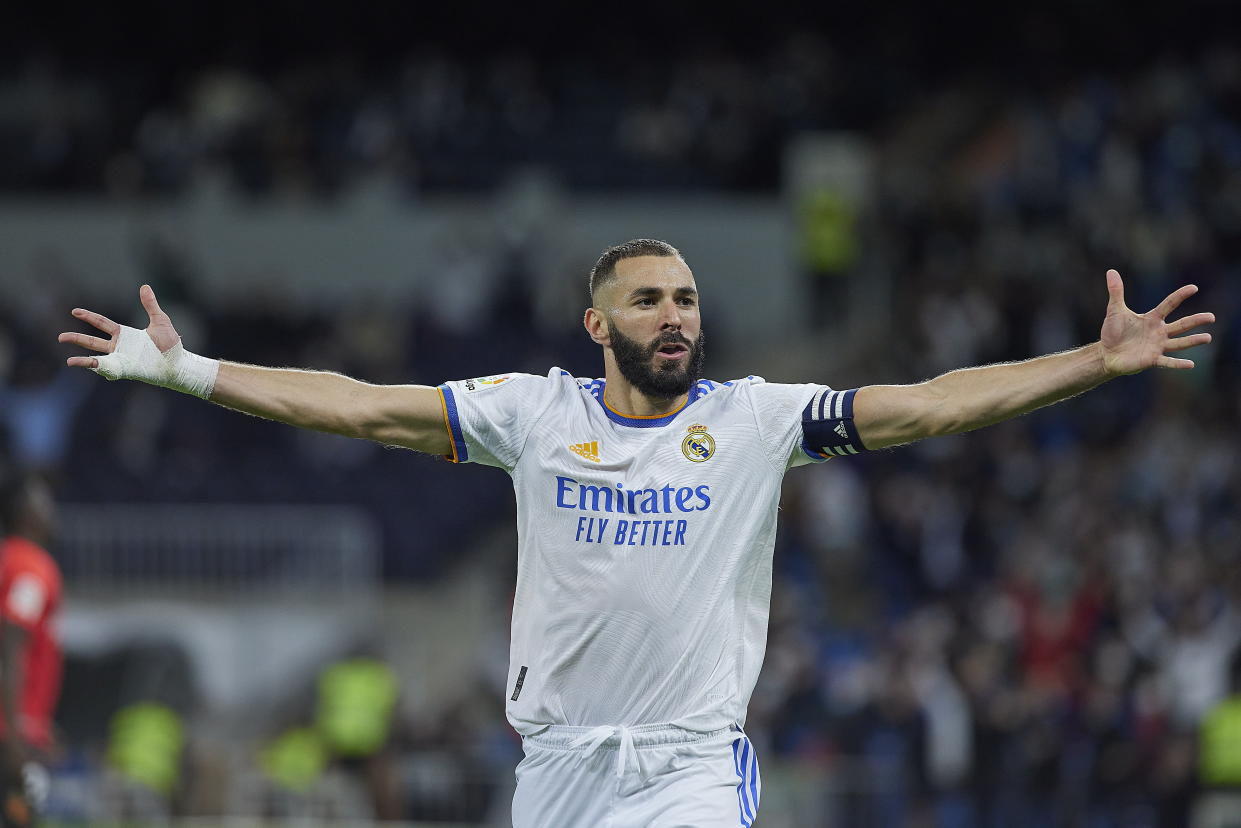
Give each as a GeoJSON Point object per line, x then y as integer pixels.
{"type": "Point", "coordinates": [479, 383]}
{"type": "Point", "coordinates": [698, 445]}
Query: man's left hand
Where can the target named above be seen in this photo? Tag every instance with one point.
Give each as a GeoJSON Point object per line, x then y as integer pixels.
{"type": "Point", "coordinates": [1133, 342]}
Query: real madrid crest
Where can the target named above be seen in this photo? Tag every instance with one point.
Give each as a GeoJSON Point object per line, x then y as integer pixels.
{"type": "Point", "coordinates": [698, 445]}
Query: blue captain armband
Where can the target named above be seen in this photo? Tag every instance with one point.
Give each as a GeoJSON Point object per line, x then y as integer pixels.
{"type": "Point", "coordinates": [827, 425]}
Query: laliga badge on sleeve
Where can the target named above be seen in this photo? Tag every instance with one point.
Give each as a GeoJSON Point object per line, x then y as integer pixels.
{"type": "Point", "coordinates": [482, 383]}
{"type": "Point", "coordinates": [698, 445]}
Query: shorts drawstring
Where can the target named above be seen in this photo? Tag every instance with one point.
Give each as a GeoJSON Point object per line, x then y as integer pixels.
{"type": "Point", "coordinates": [598, 735]}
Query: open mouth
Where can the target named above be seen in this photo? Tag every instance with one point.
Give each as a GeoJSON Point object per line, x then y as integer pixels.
{"type": "Point", "coordinates": [672, 351]}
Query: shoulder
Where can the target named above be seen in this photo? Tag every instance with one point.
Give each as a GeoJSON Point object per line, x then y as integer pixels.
{"type": "Point", "coordinates": [511, 386]}
{"type": "Point", "coordinates": [721, 389]}
{"type": "Point", "coordinates": [20, 559]}
{"type": "Point", "coordinates": [586, 386]}
{"type": "Point", "coordinates": [19, 553]}
{"type": "Point", "coordinates": [753, 388]}
{"type": "Point", "coordinates": [771, 403]}
{"type": "Point", "coordinates": [494, 382]}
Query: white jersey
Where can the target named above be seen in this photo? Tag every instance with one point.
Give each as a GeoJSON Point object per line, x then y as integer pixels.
{"type": "Point", "coordinates": [644, 544]}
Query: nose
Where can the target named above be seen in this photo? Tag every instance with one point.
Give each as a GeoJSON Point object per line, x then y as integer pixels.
{"type": "Point", "coordinates": [670, 316]}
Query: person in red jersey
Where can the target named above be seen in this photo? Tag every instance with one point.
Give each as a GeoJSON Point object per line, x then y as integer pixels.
{"type": "Point", "coordinates": [30, 656]}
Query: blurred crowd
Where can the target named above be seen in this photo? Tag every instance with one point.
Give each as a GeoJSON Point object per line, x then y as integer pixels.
{"type": "Point", "coordinates": [1028, 625]}
{"type": "Point", "coordinates": [431, 120]}
{"type": "Point", "coordinates": [122, 443]}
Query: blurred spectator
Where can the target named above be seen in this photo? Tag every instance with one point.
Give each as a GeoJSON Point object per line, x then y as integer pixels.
{"type": "Point", "coordinates": [1220, 756]}
{"type": "Point", "coordinates": [30, 655]}
{"type": "Point", "coordinates": [145, 749]}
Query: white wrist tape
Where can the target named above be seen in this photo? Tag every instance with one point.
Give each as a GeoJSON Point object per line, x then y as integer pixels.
{"type": "Point", "coordinates": [136, 357]}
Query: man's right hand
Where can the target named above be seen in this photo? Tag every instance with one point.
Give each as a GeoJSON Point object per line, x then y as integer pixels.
{"type": "Point", "coordinates": [411, 416]}
{"type": "Point", "coordinates": [160, 331]}
{"type": "Point", "coordinates": [154, 355]}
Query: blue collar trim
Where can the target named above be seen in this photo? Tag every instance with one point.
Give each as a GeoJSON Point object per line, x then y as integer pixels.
{"type": "Point", "coordinates": [595, 389]}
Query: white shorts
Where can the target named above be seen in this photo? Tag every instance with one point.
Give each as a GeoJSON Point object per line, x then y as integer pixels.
{"type": "Point", "coordinates": [648, 775]}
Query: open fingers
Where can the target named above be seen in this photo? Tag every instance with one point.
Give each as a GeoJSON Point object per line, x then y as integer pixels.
{"type": "Point", "coordinates": [100, 321]}
{"type": "Point", "coordinates": [147, 296]}
{"type": "Point", "coordinates": [1180, 326]}
{"type": "Point", "coordinates": [94, 343]}
{"type": "Point", "coordinates": [1187, 342]}
{"type": "Point", "coordinates": [82, 362]}
{"type": "Point", "coordinates": [1172, 362]}
{"type": "Point", "coordinates": [1115, 290]}
{"type": "Point", "coordinates": [1174, 300]}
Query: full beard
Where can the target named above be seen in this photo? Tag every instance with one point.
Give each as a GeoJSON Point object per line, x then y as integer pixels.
{"type": "Point", "coordinates": [671, 379]}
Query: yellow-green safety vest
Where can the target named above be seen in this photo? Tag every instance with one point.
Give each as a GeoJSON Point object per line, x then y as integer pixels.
{"type": "Point", "coordinates": [356, 700]}
{"type": "Point", "coordinates": [1219, 758]}
{"type": "Point", "coordinates": [145, 745]}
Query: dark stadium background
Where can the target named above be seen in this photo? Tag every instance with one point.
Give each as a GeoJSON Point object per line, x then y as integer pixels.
{"type": "Point", "coordinates": [1031, 625]}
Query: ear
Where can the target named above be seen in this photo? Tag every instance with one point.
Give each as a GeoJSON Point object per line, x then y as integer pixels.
{"type": "Point", "coordinates": [597, 326]}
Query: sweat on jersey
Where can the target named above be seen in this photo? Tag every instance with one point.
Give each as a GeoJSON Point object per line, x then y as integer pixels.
{"type": "Point", "coordinates": [644, 543]}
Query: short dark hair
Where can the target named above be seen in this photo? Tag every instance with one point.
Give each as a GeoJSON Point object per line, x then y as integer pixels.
{"type": "Point", "coordinates": [605, 269]}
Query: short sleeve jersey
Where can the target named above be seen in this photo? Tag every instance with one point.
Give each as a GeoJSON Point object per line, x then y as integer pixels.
{"type": "Point", "coordinates": [30, 597]}
{"type": "Point", "coordinates": [644, 544]}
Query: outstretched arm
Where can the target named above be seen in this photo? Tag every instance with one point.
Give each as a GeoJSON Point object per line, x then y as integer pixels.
{"type": "Point", "coordinates": [889, 415]}
{"type": "Point", "coordinates": [401, 415]}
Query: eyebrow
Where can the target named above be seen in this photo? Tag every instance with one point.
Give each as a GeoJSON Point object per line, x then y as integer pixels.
{"type": "Point", "coordinates": [654, 291]}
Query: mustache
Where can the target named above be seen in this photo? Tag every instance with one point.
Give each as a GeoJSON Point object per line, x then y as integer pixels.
{"type": "Point", "coordinates": [671, 338]}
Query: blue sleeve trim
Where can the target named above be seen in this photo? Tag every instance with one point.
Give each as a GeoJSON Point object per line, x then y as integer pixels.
{"type": "Point", "coordinates": [454, 424]}
{"type": "Point", "coordinates": [827, 425]}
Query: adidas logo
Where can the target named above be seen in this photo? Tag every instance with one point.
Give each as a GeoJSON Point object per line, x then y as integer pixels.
{"type": "Point", "coordinates": [840, 429]}
{"type": "Point", "coordinates": [588, 450]}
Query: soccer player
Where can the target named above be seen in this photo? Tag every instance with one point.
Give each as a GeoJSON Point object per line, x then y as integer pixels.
{"type": "Point", "coordinates": [646, 513]}
{"type": "Point", "coordinates": [30, 658]}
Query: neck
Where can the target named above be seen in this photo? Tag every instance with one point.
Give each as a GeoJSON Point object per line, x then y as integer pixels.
{"type": "Point", "coordinates": [623, 398]}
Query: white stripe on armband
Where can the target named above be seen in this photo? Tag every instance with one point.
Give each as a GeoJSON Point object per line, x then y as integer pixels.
{"type": "Point", "coordinates": [827, 425]}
